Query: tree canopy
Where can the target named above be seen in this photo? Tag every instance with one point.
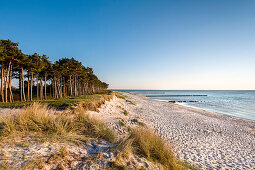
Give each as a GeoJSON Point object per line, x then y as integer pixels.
{"type": "Point", "coordinates": [40, 79]}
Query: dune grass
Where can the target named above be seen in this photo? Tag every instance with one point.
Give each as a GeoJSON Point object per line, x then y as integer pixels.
{"type": "Point", "coordinates": [119, 95]}
{"type": "Point", "coordinates": [131, 102]}
{"type": "Point", "coordinates": [37, 120]}
{"type": "Point", "coordinates": [136, 121]}
{"type": "Point", "coordinates": [126, 113]}
{"type": "Point", "coordinates": [146, 143]}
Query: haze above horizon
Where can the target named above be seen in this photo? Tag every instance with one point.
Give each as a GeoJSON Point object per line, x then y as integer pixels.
{"type": "Point", "coordinates": [145, 44]}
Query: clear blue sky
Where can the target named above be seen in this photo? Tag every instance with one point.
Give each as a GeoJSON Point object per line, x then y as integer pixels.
{"type": "Point", "coordinates": [142, 44]}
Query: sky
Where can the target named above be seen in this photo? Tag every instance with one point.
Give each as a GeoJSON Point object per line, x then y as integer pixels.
{"type": "Point", "coordinates": [142, 44]}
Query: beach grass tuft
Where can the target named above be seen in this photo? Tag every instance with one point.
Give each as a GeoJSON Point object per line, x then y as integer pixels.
{"type": "Point", "coordinates": [120, 96]}
{"type": "Point", "coordinates": [131, 102]}
{"type": "Point", "coordinates": [146, 143]}
{"type": "Point", "coordinates": [121, 122]}
{"type": "Point", "coordinates": [136, 121]}
{"type": "Point", "coordinates": [126, 113]}
{"type": "Point", "coordinates": [36, 119]}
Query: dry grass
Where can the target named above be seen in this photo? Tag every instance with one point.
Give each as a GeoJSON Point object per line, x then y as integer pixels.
{"type": "Point", "coordinates": [131, 102]}
{"type": "Point", "coordinates": [121, 122]}
{"type": "Point", "coordinates": [37, 119]}
{"type": "Point", "coordinates": [4, 165]}
{"type": "Point", "coordinates": [136, 121]}
{"type": "Point", "coordinates": [57, 160]}
{"type": "Point", "coordinates": [126, 113]}
{"type": "Point", "coordinates": [95, 104]}
{"type": "Point", "coordinates": [146, 143]}
{"type": "Point", "coordinates": [119, 95]}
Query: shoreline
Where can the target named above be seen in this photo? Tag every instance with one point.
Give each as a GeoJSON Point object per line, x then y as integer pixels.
{"type": "Point", "coordinates": [194, 107]}
{"type": "Point", "coordinates": [214, 112]}
{"type": "Point", "coordinates": [211, 140]}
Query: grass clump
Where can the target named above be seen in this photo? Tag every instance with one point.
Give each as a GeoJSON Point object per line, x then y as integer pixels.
{"type": "Point", "coordinates": [132, 102]}
{"type": "Point", "coordinates": [146, 143]}
{"type": "Point", "coordinates": [37, 120]}
{"type": "Point", "coordinates": [136, 121]}
{"type": "Point", "coordinates": [120, 96]}
{"type": "Point", "coordinates": [149, 145]}
{"type": "Point", "coordinates": [121, 122]}
{"type": "Point", "coordinates": [126, 113]}
{"type": "Point", "coordinates": [4, 165]}
{"type": "Point", "coordinates": [114, 165]}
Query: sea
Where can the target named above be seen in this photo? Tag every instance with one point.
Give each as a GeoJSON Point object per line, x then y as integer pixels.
{"type": "Point", "coordinates": [236, 103]}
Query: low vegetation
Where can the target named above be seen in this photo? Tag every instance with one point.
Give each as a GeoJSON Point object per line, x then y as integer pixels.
{"type": "Point", "coordinates": [38, 120]}
{"type": "Point", "coordinates": [136, 121]}
{"type": "Point", "coordinates": [121, 122]}
{"type": "Point", "coordinates": [119, 95]}
{"type": "Point", "coordinates": [68, 102]}
{"type": "Point", "coordinates": [126, 113]}
{"type": "Point", "coordinates": [146, 143]}
{"type": "Point", "coordinates": [152, 147]}
{"type": "Point", "coordinates": [131, 102]}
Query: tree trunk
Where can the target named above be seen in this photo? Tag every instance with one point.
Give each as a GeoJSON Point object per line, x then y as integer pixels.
{"type": "Point", "coordinates": [31, 86]}
{"type": "Point", "coordinates": [60, 88]}
{"type": "Point", "coordinates": [6, 83]}
{"type": "Point", "coordinates": [75, 90]}
{"type": "Point", "coordinates": [28, 87]}
{"type": "Point", "coordinates": [2, 83]}
{"type": "Point", "coordinates": [10, 84]}
{"type": "Point", "coordinates": [20, 87]}
{"type": "Point", "coordinates": [55, 87]}
{"type": "Point", "coordinates": [45, 87]}
{"type": "Point", "coordinates": [50, 88]}
{"type": "Point", "coordinates": [41, 89]}
{"type": "Point", "coordinates": [37, 87]}
{"type": "Point", "coordinates": [70, 86]}
{"type": "Point", "coordinates": [64, 87]}
{"type": "Point", "coordinates": [23, 84]}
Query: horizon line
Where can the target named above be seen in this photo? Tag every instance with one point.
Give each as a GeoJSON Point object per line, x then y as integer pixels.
{"type": "Point", "coordinates": [185, 89]}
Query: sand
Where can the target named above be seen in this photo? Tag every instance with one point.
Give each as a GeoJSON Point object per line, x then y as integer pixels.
{"type": "Point", "coordinates": [206, 139]}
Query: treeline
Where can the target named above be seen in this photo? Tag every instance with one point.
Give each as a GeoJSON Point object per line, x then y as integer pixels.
{"type": "Point", "coordinates": [40, 79]}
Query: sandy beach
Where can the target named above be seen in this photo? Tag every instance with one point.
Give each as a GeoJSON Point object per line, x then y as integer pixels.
{"type": "Point", "coordinates": [206, 139]}
{"type": "Point", "coordinates": [210, 140]}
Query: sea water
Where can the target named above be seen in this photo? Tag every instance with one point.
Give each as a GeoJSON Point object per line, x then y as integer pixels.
{"type": "Point", "coordinates": [237, 103]}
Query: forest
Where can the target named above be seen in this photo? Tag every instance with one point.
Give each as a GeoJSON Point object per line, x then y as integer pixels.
{"type": "Point", "coordinates": [37, 78]}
